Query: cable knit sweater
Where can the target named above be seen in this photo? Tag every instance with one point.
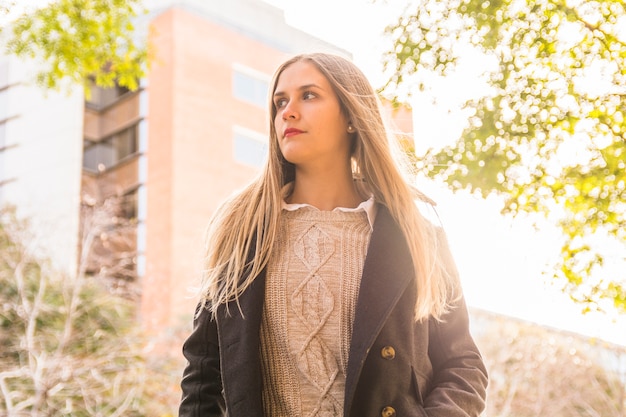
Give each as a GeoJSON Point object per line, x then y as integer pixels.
{"type": "Point", "coordinates": [311, 292]}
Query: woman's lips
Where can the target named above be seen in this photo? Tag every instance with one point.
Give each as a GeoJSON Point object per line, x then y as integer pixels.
{"type": "Point", "coordinates": [291, 132]}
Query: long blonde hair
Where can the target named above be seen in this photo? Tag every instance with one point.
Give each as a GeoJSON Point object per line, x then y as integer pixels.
{"type": "Point", "coordinates": [241, 234]}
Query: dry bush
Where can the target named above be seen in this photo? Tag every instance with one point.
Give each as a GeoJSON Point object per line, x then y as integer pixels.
{"type": "Point", "coordinates": [69, 347]}
{"type": "Point", "coordinates": [536, 372]}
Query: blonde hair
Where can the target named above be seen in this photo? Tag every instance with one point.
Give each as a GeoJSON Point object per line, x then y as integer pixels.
{"type": "Point", "coordinates": [242, 232]}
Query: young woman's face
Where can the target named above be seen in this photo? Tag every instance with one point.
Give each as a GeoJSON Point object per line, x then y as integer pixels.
{"type": "Point", "coordinates": [310, 127]}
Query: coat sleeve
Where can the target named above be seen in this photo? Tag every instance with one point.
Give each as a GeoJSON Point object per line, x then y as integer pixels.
{"type": "Point", "coordinates": [459, 375]}
{"type": "Point", "coordinates": [202, 383]}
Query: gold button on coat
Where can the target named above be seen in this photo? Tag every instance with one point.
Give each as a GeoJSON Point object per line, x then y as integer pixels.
{"type": "Point", "coordinates": [388, 352]}
{"type": "Point", "coordinates": [388, 412]}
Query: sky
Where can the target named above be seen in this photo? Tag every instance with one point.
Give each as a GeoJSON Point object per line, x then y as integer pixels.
{"type": "Point", "coordinates": [501, 260]}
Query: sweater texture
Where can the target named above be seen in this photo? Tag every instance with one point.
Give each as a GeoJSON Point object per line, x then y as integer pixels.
{"type": "Point", "coordinates": [311, 292]}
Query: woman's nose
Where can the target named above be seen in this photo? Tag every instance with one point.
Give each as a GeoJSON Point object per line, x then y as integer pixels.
{"type": "Point", "coordinates": [290, 111]}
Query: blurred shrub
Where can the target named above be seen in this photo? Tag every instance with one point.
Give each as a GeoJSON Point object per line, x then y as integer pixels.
{"type": "Point", "coordinates": [68, 346]}
{"type": "Point", "coordinates": [535, 371]}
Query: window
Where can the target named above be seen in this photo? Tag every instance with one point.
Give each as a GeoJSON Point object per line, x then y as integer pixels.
{"type": "Point", "coordinates": [128, 206]}
{"type": "Point", "coordinates": [249, 147]}
{"type": "Point", "coordinates": [102, 97]}
{"type": "Point", "coordinates": [104, 154]}
{"type": "Point", "coordinates": [250, 86]}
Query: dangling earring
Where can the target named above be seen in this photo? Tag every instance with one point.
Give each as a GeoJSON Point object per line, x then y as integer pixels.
{"type": "Point", "coordinates": [351, 129]}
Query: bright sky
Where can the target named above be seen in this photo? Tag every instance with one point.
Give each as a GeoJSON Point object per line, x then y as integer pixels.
{"type": "Point", "coordinates": [501, 260]}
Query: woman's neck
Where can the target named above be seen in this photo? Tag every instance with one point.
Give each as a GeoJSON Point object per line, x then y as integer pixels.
{"type": "Point", "coordinates": [325, 192]}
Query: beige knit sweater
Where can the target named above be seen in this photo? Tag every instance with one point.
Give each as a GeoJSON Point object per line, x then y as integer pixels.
{"type": "Point", "coordinates": [311, 291]}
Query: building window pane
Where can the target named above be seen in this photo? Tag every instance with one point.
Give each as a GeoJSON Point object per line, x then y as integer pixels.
{"type": "Point", "coordinates": [102, 97]}
{"type": "Point", "coordinates": [249, 151]}
{"type": "Point", "coordinates": [250, 89]}
{"type": "Point", "coordinates": [128, 206]}
{"type": "Point", "coordinates": [101, 155]}
{"type": "Point", "coordinates": [125, 142]}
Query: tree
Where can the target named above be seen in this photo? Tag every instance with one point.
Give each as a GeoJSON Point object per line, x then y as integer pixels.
{"type": "Point", "coordinates": [5, 7]}
{"type": "Point", "coordinates": [81, 40]}
{"type": "Point", "coordinates": [550, 133]}
{"type": "Point", "coordinates": [108, 256]}
{"type": "Point", "coordinates": [68, 346]}
{"type": "Point", "coordinates": [108, 247]}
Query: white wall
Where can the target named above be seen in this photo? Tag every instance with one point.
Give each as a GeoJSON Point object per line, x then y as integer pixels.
{"type": "Point", "coordinates": [43, 160]}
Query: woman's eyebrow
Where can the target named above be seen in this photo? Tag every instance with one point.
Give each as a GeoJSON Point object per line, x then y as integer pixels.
{"type": "Point", "coordinates": [302, 87]}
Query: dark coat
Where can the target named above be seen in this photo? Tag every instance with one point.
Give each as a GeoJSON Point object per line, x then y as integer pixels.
{"type": "Point", "coordinates": [397, 367]}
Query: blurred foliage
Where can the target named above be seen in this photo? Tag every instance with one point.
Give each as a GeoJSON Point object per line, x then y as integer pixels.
{"type": "Point", "coordinates": [5, 7]}
{"type": "Point", "coordinates": [81, 40]}
{"type": "Point", "coordinates": [68, 346]}
{"type": "Point", "coordinates": [535, 371]}
{"type": "Point", "coordinates": [549, 135]}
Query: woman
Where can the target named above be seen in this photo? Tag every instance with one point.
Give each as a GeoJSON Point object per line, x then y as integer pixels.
{"type": "Point", "coordinates": [326, 292]}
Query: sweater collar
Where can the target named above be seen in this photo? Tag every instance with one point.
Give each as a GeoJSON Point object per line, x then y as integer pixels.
{"type": "Point", "coordinates": [368, 206]}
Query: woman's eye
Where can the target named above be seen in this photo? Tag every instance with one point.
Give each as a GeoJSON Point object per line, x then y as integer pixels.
{"type": "Point", "coordinates": [280, 103]}
{"type": "Point", "coordinates": [308, 95]}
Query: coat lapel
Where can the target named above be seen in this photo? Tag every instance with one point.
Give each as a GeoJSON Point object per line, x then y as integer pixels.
{"type": "Point", "coordinates": [238, 332]}
{"type": "Point", "coordinates": [387, 271]}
